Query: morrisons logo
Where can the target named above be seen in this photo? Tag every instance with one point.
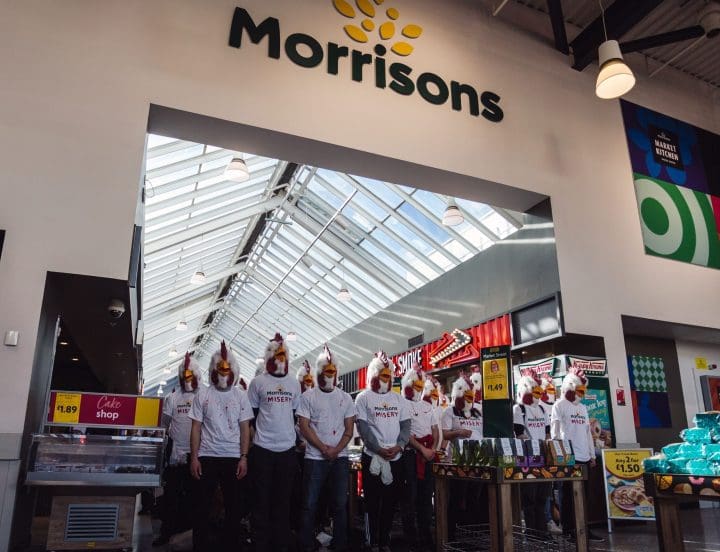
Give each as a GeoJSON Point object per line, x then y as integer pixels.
{"type": "Point", "coordinates": [305, 51]}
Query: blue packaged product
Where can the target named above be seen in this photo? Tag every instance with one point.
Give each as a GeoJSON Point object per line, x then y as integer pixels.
{"type": "Point", "coordinates": [692, 450]}
{"type": "Point", "coordinates": [698, 466]}
{"type": "Point", "coordinates": [695, 435]}
{"type": "Point", "coordinates": [708, 420]}
{"type": "Point", "coordinates": [678, 464]}
{"type": "Point", "coordinates": [671, 450]}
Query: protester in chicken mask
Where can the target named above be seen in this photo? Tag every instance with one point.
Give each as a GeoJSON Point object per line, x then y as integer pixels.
{"type": "Point", "coordinates": [569, 420]}
{"type": "Point", "coordinates": [177, 479]}
{"type": "Point", "coordinates": [325, 416]}
{"type": "Point", "coordinates": [220, 438]}
{"type": "Point", "coordinates": [383, 422]}
{"type": "Point", "coordinates": [476, 380]}
{"type": "Point", "coordinates": [461, 421]}
{"type": "Point", "coordinates": [418, 457]}
{"type": "Point", "coordinates": [305, 377]}
{"type": "Point", "coordinates": [532, 421]}
{"type": "Point", "coordinates": [274, 396]}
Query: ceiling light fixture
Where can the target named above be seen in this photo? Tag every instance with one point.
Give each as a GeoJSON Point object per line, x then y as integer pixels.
{"type": "Point", "coordinates": [344, 295]}
{"type": "Point", "coordinates": [197, 278]}
{"type": "Point", "coordinates": [63, 343]}
{"type": "Point", "coordinates": [237, 170]}
{"type": "Point", "coordinates": [291, 336]}
{"type": "Point", "coordinates": [181, 326]}
{"type": "Point", "coordinates": [166, 370]}
{"type": "Point", "coordinates": [453, 215]}
{"type": "Point", "coordinates": [75, 359]}
{"type": "Point", "coordinates": [160, 391]}
{"type": "Point", "coordinates": [172, 353]}
{"type": "Point", "coordinates": [615, 77]}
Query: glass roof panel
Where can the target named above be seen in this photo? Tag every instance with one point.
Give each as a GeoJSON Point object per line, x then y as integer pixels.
{"type": "Point", "coordinates": [341, 227]}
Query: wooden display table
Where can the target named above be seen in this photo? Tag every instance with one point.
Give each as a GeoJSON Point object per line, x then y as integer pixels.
{"type": "Point", "coordinates": [499, 481]}
{"type": "Point", "coordinates": [668, 491]}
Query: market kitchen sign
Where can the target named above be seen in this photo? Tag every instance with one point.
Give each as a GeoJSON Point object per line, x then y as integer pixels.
{"type": "Point", "coordinates": [372, 20]}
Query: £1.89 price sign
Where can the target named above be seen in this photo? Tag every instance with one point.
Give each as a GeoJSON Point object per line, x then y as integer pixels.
{"type": "Point", "coordinates": [67, 408]}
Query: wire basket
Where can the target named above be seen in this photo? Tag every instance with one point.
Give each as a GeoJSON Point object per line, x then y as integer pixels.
{"type": "Point", "coordinates": [473, 538]}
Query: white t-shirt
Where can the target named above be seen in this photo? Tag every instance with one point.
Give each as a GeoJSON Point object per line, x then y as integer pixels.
{"type": "Point", "coordinates": [327, 413]}
{"type": "Point", "coordinates": [177, 407]}
{"type": "Point", "coordinates": [383, 412]}
{"type": "Point", "coordinates": [453, 421]}
{"type": "Point", "coordinates": [422, 418]}
{"type": "Point", "coordinates": [220, 413]}
{"type": "Point", "coordinates": [276, 398]}
{"type": "Point", "coordinates": [575, 426]}
{"type": "Point", "coordinates": [535, 420]}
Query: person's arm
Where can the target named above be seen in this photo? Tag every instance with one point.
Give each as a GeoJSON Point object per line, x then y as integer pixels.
{"type": "Point", "coordinates": [195, 467]}
{"type": "Point", "coordinates": [460, 433]}
{"type": "Point", "coordinates": [368, 437]}
{"type": "Point", "coordinates": [555, 423]}
{"type": "Point", "coordinates": [591, 446]}
{"type": "Point", "coordinates": [244, 447]}
{"type": "Point", "coordinates": [310, 436]}
{"type": "Point", "coordinates": [346, 436]}
{"type": "Point", "coordinates": [166, 419]}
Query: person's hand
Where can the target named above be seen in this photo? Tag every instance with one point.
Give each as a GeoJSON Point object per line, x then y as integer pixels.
{"type": "Point", "coordinates": [464, 433]}
{"type": "Point", "coordinates": [393, 451]}
{"type": "Point", "coordinates": [385, 453]}
{"type": "Point", "coordinates": [332, 453]}
{"type": "Point", "coordinates": [428, 454]}
{"type": "Point", "coordinates": [195, 467]}
{"type": "Point", "coordinates": [241, 468]}
{"type": "Point", "coordinates": [593, 462]}
{"type": "Point", "coordinates": [325, 451]}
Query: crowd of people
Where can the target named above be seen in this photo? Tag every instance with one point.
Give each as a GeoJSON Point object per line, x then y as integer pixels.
{"type": "Point", "coordinates": [277, 450]}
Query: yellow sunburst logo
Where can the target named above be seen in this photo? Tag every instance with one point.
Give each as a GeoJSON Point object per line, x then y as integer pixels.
{"type": "Point", "coordinates": [368, 13]}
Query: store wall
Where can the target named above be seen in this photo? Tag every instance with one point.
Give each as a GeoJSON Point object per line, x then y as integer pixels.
{"type": "Point", "coordinates": [514, 272]}
{"type": "Point", "coordinates": [687, 352]}
{"type": "Point", "coordinates": [80, 75]}
{"type": "Point", "coordinates": [657, 437]}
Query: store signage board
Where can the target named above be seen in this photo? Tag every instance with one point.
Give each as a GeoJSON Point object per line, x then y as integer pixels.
{"type": "Point", "coordinates": [96, 409]}
{"type": "Point", "coordinates": [624, 487]}
{"type": "Point", "coordinates": [591, 367]}
{"type": "Point", "coordinates": [495, 364]}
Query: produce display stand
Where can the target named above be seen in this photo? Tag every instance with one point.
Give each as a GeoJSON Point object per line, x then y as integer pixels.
{"type": "Point", "coordinates": [668, 491]}
{"type": "Point", "coordinates": [500, 482]}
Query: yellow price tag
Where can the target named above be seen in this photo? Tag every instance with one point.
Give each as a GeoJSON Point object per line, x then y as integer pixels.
{"type": "Point", "coordinates": [625, 464]}
{"type": "Point", "coordinates": [495, 379]}
{"type": "Point", "coordinates": [67, 408]}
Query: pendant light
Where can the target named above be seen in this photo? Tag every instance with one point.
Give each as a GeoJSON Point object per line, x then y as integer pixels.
{"type": "Point", "coordinates": [453, 215]}
{"type": "Point", "coordinates": [291, 336]}
{"type": "Point", "coordinates": [181, 326]}
{"type": "Point", "coordinates": [615, 77]}
{"type": "Point", "coordinates": [198, 277]}
{"type": "Point", "coordinates": [344, 295]}
{"type": "Point", "coordinates": [237, 170]}
{"type": "Point", "coordinates": [172, 353]}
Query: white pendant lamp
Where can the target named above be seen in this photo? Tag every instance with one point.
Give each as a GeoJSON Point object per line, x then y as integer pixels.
{"type": "Point", "coordinates": [615, 77]}
{"type": "Point", "coordinates": [172, 353]}
{"type": "Point", "coordinates": [197, 278]}
{"type": "Point", "coordinates": [453, 215]}
{"type": "Point", "coordinates": [344, 295]}
{"type": "Point", "coordinates": [237, 170]}
{"type": "Point", "coordinates": [291, 336]}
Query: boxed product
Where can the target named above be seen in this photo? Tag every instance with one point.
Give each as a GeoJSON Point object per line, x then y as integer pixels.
{"type": "Point", "coordinates": [534, 452]}
{"type": "Point", "coordinates": [521, 459]}
{"type": "Point", "coordinates": [504, 452]}
{"type": "Point", "coordinates": [556, 455]}
{"type": "Point", "coordinates": [569, 452]}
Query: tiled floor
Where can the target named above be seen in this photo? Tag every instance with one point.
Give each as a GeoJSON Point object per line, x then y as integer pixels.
{"type": "Point", "coordinates": [701, 530]}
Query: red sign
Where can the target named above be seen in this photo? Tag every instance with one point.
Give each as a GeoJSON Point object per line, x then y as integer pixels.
{"type": "Point", "coordinates": [452, 349]}
{"type": "Point", "coordinates": [98, 409]}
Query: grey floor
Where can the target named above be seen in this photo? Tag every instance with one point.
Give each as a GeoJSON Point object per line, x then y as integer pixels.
{"type": "Point", "coordinates": [701, 529]}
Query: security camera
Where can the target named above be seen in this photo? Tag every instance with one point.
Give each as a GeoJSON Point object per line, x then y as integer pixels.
{"type": "Point", "coordinates": [116, 308]}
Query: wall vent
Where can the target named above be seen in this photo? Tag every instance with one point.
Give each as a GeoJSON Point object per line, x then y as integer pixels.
{"type": "Point", "coordinates": [92, 522]}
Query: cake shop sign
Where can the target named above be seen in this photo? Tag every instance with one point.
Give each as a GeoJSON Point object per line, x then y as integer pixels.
{"type": "Point", "coordinates": [93, 409]}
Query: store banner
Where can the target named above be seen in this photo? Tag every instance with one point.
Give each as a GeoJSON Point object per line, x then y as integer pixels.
{"type": "Point", "coordinates": [677, 185]}
{"type": "Point", "coordinates": [596, 402]}
{"type": "Point", "coordinates": [95, 409]}
{"type": "Point", "coordinates": [624, 487]}
{"type": "Point", "coordinates": [495, 369]}
{"type": "Point", "coordinates": [591, 367]}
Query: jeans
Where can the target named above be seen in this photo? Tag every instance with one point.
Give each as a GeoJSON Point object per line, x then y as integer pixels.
{"type": "Point", "coordinates": [416, 502]}
{"type": "Point", "coordinates": [534, 496]}
{"type": "Point", "coordinates": [273, 476]}
{"type": "Point", "coordinates": [316, 473]}
{"type": "Point", "coordinates": [179, 492]}
{"type": "Point", "coordinates": [380, 500]}
{"type": "Point", "coordinates": [216, 471]}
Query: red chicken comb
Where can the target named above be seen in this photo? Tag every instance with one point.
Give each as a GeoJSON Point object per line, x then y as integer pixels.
{"type": "Point", "coordinates": [328, 354]}
{"type": "Point", "coordinates": [186, 366]}
{"type": "Point", "coordinates": [223, 350]}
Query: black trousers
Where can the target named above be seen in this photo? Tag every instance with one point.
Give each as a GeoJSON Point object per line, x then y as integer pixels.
{"type": "Point", "coordinates": [273, 477]}
{"type": "Point", "coordinates": [416, 500]}
{"type": "Point", "coordinates": [179, 493]}
{"type": "Point", "coordinates": [216, 471]}
{"type": "Point", "coordinates": [534, 496]}
{"type": "Point", "coordinates": [567, 510]}
{"type": "Point", "coordinates": [380, 500]}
